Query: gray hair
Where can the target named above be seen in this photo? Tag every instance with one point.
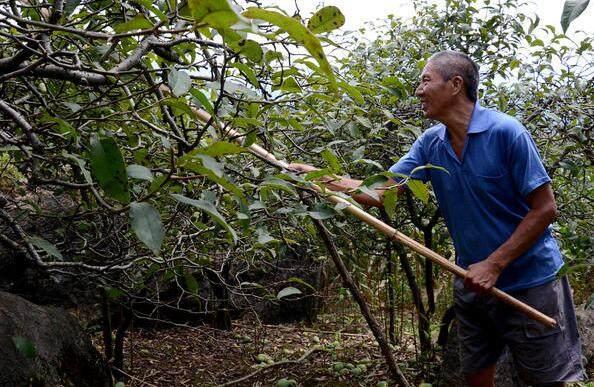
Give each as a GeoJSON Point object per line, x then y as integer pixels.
{"type": "Point", "coordinates": [452, 63]}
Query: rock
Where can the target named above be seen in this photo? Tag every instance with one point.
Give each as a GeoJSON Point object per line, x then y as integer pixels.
{"type": "Point", "coordinates": [52, 347]}
{"type": "Point", "coordinates": [585, 319]}
{"type": "Point", "coordinates": [49, 215]}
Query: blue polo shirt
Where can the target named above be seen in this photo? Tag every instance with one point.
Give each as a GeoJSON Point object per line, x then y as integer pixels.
{"type": "Point", "coordinates": [482, 198]}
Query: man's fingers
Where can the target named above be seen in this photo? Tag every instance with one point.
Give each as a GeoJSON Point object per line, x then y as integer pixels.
{"type": "Point", "coordinates": [479, 285]}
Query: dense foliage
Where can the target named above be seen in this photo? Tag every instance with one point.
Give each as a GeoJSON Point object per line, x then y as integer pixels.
{"type": "Point", "coordinates": [99, 103]}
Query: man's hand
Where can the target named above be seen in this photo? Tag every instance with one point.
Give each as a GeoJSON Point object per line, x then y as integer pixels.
{"type": "Point", "coordinates": [482, 276]}
{"type": "Point", "coordinates": [301, 168]}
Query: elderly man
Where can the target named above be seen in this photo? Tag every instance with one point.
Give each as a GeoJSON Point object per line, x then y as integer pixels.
{"type": "Point", "coordinates": [497, 203]}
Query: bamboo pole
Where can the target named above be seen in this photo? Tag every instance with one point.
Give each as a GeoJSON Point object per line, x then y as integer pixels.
{"type": "Point", "coordinates": [390, 231]}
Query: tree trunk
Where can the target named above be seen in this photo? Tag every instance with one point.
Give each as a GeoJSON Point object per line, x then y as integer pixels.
{"type": "Point", "coordinates": [356, 293]}
{"type": "Point", "coordinates": [423, 318]}
{"type": "Point", "coordinates": [389, 275]}
{"type": "Point", "coordinates": [429, 284]}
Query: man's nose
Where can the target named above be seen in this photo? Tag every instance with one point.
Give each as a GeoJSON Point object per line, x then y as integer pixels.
{"type": "Point", "coordinates": [419, 91]}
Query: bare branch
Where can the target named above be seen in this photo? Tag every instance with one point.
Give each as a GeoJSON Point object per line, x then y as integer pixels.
{"type": "Point", "coordinates": [20, 120]}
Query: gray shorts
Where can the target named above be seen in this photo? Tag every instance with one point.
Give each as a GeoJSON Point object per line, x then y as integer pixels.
{"type": "Point", "coordinates": [541, 354]}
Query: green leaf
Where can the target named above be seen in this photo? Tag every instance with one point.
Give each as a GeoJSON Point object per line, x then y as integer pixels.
{"type": "Point", "coordinates": [271, 56]}
{"type": "Point", "coordinates": [140, 172]}
{"type": "Point", "coordinates": [24, 346]}
{"type": "Point", "coordinates": [120, 384]}
{"type": "Point", "coordinates": [429, 166]}
{"type": "Point", "coordinates": [113, 293]}
{"type": "Point", "coordinates": [195, 164]}
{"type": "Point", "coordinates": [353, 92]}
{"type": "Point", "coordinates": [277, 183]}
{"type": "Point", "coordinates": [571, 10]}
{"type": "Point", "coordinates": [191, 283]}
{"type": "Point", "coordinates": [316, 174]}
{"type": "Point", "coordinates": [358, 153]}
{"type": "Point", "coordinates": [221, 148]}
{"type": "Point", "coordinates": [211, 164]}
{"type": "Point", "coordinates": [81, 164]}
{"type": "Point", "coordinates": [326, 19]}
{"type": "Point", "coordinates": [368, 191]}
{"type": "Point", "coordinates": [138, 22]}
{"type": "Point", "coordinates": [375, 181]}
{"type": "Point", "coordinates": [179, 81]}
{"type": "Point", "coordinates": [264, 236]}
{"type": "Point", "coordinates": [210, 210]}
{"type": "Point", "coordinates": [419, 189]}
{"type": "Point", "coordinates": [332, 160]}
{"type": "Point", "coordinates": [288, 291]}
{"type": "Point", "coordinates": [203, 100]}
{"type": "Point", "coordinates": [364, 121]}
{"type": "Point", "coordinates": [146, 223]}
{"type": "Point", "coordinates": [73, 106]}
{"type": "Point", "coordinates": [70, 6]}
{"type": "Point", "coordinates": [107, 165]}
{"type": "Point", "coordinates": [394, 86]}
{"type": "Point", "coordinates": [63, 126]}
{"type": "Point", "coordinates": [299, 33]}
{"type": "Point", "coordinates": [290, 85]}
{"type": "Point", "coordinates": [250, 49]}
{"type": "Point", "coordinates": [302, 282]}
{"type": "Point", "coordinates": [179, 106]}
{"type": "Point", "coordinates": [45, 246]}
{"type": "Point", "coordinates": [369, 162]}
{"type": "Point", "coordinates": [390, 198]}
{"type": "Point", "coordinates": [321, 212]}
{"type": "Point", "coordinates": [216, 13]}
{"type": "Point", "coordinates": [250, 138]}
{"type": "Point", "coordinates": [295, 124]}
{"type": "Point", "coordinates": [248, 72]}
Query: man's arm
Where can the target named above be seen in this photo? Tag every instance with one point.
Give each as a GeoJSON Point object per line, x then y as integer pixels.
{"type": "Point", "coordinates": [345, 184]}
{"type": "Point", "coordinates": [483, 275]}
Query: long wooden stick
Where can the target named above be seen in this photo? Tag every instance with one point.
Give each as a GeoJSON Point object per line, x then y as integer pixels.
{"type": "Point", "coordinates": [390, 231]}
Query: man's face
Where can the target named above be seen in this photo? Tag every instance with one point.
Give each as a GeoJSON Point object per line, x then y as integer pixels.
{"type": "Point", "coordinates": [434, 92]}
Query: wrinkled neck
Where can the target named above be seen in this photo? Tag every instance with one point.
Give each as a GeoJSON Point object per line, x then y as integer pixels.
{"type": "Point", "coordinates": [458, 118]}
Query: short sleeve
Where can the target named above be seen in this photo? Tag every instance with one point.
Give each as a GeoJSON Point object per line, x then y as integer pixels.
{"type": "Point", "coordinates": [414, 158]}
{"type": "Point", "coordinates": [527, 170]}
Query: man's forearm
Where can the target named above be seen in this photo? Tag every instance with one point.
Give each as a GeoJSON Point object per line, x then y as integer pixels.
{"type": "Point", "coordinates": [342, 184]}
{"type": "Point", "coordinates": [348, 185]}
{"type": "Point", "coordinates": [524, 236]}
{"type": "Point", "coordinates": [481, 276]}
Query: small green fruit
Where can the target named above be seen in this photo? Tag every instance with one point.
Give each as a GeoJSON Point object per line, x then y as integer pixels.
{"type": "Point", "coordinates": [284, 382]}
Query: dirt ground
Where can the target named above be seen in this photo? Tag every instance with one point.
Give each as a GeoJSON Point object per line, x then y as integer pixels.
{"type": "Point", "coordinates": [255, 354]}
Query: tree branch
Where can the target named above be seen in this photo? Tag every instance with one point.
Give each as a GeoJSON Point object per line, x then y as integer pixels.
{"type": "Point", "coordinates": [20, 120]}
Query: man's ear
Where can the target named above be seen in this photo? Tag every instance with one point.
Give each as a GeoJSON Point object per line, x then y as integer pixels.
{"type": "Point", "coordinates": [457, 85]}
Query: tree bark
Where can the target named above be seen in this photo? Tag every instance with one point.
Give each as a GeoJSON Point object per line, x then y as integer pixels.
{"type": "Point", "coordinates": [389, 274]}
{"type": "Point", "coordinates": [356, 293]}
{"type": "Point", "coordinates": [423, 318]}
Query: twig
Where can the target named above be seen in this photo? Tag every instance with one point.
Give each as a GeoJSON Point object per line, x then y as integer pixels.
{"type": "Point", "coordinates": [20, 120]}
{"type": "Point", "coordinates": [277, 364]}
{"type": "Point", "coordinates": [134, 378]}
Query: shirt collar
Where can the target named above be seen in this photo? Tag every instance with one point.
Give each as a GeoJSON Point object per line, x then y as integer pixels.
{"type": "Point", "coordinates": [477, 123]}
